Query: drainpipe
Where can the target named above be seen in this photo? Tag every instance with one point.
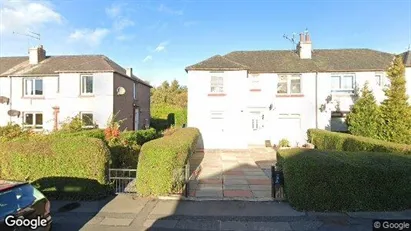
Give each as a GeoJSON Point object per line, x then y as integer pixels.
{"type": "Point", "coordinates": [11, 94]}
{"type": "Point", "coordinates": [316, 100]}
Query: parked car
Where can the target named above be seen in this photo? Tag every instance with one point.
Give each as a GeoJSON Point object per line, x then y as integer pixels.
{"type": "Point", "coordinates": [23, 207]}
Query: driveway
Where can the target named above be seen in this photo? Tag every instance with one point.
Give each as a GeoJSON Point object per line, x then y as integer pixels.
{"type": "Point", "coordinates": [232, 174]}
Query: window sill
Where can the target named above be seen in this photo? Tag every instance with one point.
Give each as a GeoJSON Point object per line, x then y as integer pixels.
{"type": "Point", "coordinates": [216, 94]}
{"type": "Point", "coordinates": [32, 97]}
{"type": "Point", "coordinates": [255, 90]}
{"type": "Point", "coordinates": [86, 96]}
{"type": "Point", "coordinates": [289, 95]}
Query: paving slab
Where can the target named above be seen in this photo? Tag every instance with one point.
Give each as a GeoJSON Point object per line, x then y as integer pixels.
{"type": "Point", "coordinates": [236, 187]}
{"type": "Point", "coordinates": [116, 221]}
{"type": "Point", "coordinates": [209, 186]}
{"type": "Point", "coordinates": [124, 203]}
{"type": "Point", "coordinates": [260, 187]}
{"type": "Point", "coordinates": [261, 193]}
{"type": "Point", "coordinates": [238, 193]}
{"type": "Point", "coordinates": [235, 182]}
{"type": "Point", "coordinates": [209, 193]}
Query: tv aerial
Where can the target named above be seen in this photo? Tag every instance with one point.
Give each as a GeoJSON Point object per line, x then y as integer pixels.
{"type": "Point", "coordinates": [29, 35]}
{"type": "Point", "coordinates": [291, 39]}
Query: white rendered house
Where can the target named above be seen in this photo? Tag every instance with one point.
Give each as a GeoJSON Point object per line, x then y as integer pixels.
{"type": "Point", "coordinates": [246, 98]}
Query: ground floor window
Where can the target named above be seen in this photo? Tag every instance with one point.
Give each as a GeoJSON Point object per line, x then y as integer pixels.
{"type": "Point", "coordinates": [338, 123]}
{"type": "Point", "coordinates": [87, 119]}
{"type": "Point", "coordinates": [33, 120]}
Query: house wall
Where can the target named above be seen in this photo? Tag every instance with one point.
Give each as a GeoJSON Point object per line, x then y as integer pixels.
{"type": "Point", "coordinates": [200, 104]}
{"type": "Point", "coordinates": [238, 101]}
{"type": "Point", "coordinates": [65, 95]}
{"type": "Point", "coordinates": [123, 104]}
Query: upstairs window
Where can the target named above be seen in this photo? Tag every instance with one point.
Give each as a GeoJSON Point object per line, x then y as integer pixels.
{"type": "Point", "coordinates": [289, 84]}
{"type": "Point", "coordinates": [254, 81]}
{"type": "Point", "coordinates": [342, 83]}
{"type": "Point", "coordinates": [87, 85]}
{"type": "Point", "coordinates": [33, 87]}
{"type": "Point", "coordinates": [33, 120]}
{"type": "Point", "coordinates": [378, 79]}
{"type": "Point", "coordinates": [217, 84]}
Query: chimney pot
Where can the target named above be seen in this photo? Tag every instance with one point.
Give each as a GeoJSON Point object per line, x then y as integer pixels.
{"type": "Point", "coordinates": [307, 38]}
{"type": "Point", "coordinates": [301, 37]}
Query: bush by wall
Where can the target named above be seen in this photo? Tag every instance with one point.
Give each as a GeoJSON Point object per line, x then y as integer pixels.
{"type": "Point", "coordinates": [161, 162]}
{"type": "Point", "coordinates": [346, 181]}
{"type": "Point", "coordinates": [92, 133]}
{"type": "Point", "coordinates": [139, 137]}
{"type": "Point", "coordinates": [12, 131]}
{"type": "Point", "coordinates": [62, 167]}
{"type": "Point", "coordinates": [326, 140]}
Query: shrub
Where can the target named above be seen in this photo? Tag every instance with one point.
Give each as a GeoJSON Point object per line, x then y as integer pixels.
{"type": "Point", "coordinates": [12, 131]}
{"type": "Point", "coordinates": [161, 114]}
{"type": "Point", "coordinates": [67, 167]}
{"type": "Point", "coordinates": [346, 181]}
{"type": "Point", "coordinates": [395, 109]}
{"type": "Point", "coordinates": [161, 162]}
{"type": "Point", "coordinates": [74, 124]}
{"type": "Point", "coordinates": [93, 133]}
{"type": "Point", "coordinates": [284, 143]}
{"type": "Point", "coordinates": [124, 156]}
{"type": "Point", "coordinates": [326, 140]}
{"type": "Point", "coordinates": [365, 116]}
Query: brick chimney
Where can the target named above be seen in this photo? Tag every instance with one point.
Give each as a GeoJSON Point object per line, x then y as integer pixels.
{"type": "Point", "coordinates": [304, 47]}
{"type": "Point", "coordinates": [36, 55]}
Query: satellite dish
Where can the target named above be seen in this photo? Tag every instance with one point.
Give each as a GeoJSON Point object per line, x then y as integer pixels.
{"type": "Point", "coordinates": [13, 113]}
{"type": "Point", "coordinates": [121, 91]}
{"type": "Point", "coordinates": [4, 99]}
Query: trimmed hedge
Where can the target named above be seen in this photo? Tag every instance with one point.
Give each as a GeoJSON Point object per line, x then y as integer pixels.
{"type": "Point", "coordinates": [326, 140]}
{"type": "Point", "coordinates": [139, 137]}
{"type": "Point", "coordinates": [161, 163]}
{"type": "Point", "coordinates": [61, 167]}
{"type": "Point", "coordinates": [346, 181]}
{"type": "Point", "coordinates": [93, 133]}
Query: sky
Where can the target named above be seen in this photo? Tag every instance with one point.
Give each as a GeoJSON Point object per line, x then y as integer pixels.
{"type": "Point", "coordinates": [158, 39]}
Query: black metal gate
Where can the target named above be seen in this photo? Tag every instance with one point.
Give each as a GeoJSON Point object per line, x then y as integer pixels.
{"type": "Point", "coordinates": [123, 180]}
{"type": "Point", "coordinates": [277, 183]}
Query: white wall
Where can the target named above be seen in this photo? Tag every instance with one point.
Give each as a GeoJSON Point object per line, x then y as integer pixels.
{"type": "Point", "coordinates": [68, 99]}
{"type": "Point", "coordinates": [239, 101]}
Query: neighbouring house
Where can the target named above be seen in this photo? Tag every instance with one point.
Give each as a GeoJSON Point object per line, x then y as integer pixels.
{"type": "Point", "coordinates": [245, 98]}
{"type": "Point", "coordinates": [42, 92]}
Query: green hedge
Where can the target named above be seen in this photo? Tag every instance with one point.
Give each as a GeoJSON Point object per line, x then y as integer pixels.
{"type": "Point", "coordinates": [139, 137]}
{"type": "Point", "coordinates": [161, 162]}
{"type": "Point", "coordinates": [163, 114]}
{"type": "Point", "coordinates": [326, 140]}
{"type": "Point", "coordinates": [346, 181]}
{"type": "Point", "coordinates": [94, 133]}
{"type": "Point", "coordinates": [62, 167]}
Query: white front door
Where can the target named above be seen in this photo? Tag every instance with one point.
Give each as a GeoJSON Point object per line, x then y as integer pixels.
{"type": "Point", "coordinates": [136, 118]}
{"type": "Point", "coordinates": [256, 128]}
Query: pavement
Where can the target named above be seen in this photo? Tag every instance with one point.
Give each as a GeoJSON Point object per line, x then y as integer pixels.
{"type": "Point", "coordinates": [126, 213]}
{"type": "Point", "coordinates": [232, 174]}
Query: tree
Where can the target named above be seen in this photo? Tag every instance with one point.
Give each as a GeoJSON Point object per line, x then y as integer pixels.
{"type": "Point", "coordinates": [395, 110]}
{"type": "Point", "coordinates": [365, 116]}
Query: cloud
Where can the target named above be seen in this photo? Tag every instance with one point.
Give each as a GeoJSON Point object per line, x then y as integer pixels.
{"type": "Point", "coordinates": [121, 24]}
{"type": "Point", "coordinates": [114, 10]}
{"type": "Point", "coordinates": [21, 16]}
{"type": "Point", "coordinates": [161, 47]}
{"type": "Point", "coordinates": [124, 37]}
{"type": "Point", "coordinates": [147, 58]}
{"type": "Point", "coordinates": [168, 10]}
{"type": "Point", "coordinates": [89, 36]}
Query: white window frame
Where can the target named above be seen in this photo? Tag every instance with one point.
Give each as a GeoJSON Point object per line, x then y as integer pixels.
{"type": "Point", "coordinates": [254, 81]}
{"type": "Point", "coordinates": [81, 117]}
{"type": "Point", "coordinates": [218, 82]}
{"type": "Point", "coordinates": [83, 91]}
{"type": "Point", "coordinates": [381, 76]}
{"type": "Point", "coordinates": [33, 125]}
{"type": "Point", "coordinates": [134, 90]}
{"type": "Point", "coordinates": [33, 87]}
{"type": "Point", "coordinates": [289, 77]}
{"type": "Point", "coordinates": [341, 77]}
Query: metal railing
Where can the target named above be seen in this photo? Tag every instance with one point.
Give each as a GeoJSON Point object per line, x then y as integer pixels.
{"type": "Point", "coordinates": [123, 180]}
{"type": "Point", "coordinates": [277, 183]}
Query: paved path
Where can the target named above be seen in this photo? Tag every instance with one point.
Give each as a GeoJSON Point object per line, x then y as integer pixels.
{"type": "Point", "coordinates": [125, 213]}
{"type": "Point", "coordinates": [240, 174]}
